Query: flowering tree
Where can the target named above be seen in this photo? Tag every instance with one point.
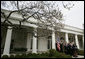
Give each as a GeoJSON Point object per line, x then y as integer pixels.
{"type": "Point", "coordinates": [47, 13]}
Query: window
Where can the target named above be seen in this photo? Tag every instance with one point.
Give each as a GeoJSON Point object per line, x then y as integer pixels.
{"type": "Point", "coordinates": [49, 42]}
{"type": "Point", "coordinates": [31, 43]}
{"type": "Point", "coordinates": [12, 44]}
{"type": "Point", "coordinates": [37, 43]}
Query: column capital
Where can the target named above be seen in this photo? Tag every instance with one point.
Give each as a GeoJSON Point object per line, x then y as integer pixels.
{"type": "Point", "coordinates": [9, 27]}
{"type": "Point", "coordinates": [35, 32]}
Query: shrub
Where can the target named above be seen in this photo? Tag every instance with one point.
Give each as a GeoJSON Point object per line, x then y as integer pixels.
{"type": "Point", "coordinates": [55, 54]}
{"type": "Point", "coordinates": [81, 52]}
{"type": "Point", "coordinates": [46, 54]}
{"type": "Point", "coordinates": [5, 56]}
{"type": "Point", "coordinates": [52, 52]}
{"type": "Point", "coordinates": [58, 55]}
{"type": "Point", "coordinates": [23, 56]}
{"type": "Point", "coordinates": [17, 56]}
{"type": "Point", "coordinates": [11, 56]}
{"type": "Point", "coordinates": [42, 55]}
{"type": "Point", "coordinates": [34, 55]}
{"type": "Point", "coordinates": [29, 54]}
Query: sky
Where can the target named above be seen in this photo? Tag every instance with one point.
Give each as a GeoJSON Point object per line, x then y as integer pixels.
{"type": "Point", "coordinates": [75, 16]}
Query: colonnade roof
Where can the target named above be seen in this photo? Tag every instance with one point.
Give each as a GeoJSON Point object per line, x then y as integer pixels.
{"type": "Point", "coordinates": [67, 28]}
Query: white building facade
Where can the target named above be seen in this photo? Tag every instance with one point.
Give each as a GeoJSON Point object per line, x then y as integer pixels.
{"type": "Point", "coordinates": [23, 38]}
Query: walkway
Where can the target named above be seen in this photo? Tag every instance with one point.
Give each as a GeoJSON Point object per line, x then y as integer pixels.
{"type": "Point", "coordinates": [79, 56]}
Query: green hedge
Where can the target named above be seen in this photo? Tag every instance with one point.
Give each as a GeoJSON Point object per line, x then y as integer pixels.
{"type": "Point", "coordinates": [49, 54]}
{"type": "Point", "coordinates": [5, 56]}
{"type": "Point", "coordinates": [80, 52]}
{"type": "Point", "coordinates": [55, 54]}
{"type": "Point", "coordinates": [52, 52]}
{"type": "Point", "coordinates": [12, 56]}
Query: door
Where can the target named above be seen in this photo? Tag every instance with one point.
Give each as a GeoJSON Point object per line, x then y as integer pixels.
{"type": "Point", "coordinates": [42, 44]}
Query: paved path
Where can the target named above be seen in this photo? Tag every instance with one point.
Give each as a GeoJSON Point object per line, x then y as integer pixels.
{"type": "Point", "coordinates": [79, 56]}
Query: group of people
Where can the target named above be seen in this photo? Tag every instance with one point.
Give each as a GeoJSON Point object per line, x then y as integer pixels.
{"type": "Point", "coordinates": [67, 48]}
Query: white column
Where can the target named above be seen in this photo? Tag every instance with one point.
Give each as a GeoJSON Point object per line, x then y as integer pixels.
{"type": "Point", "coordinates": [76, 40]}
{"type": "Point", "coordinates": [7, 41]}
{"type": "Point", "coordinates": [34, 47]}
{"type": "Point", "coordinates": [53, 39]}
{"type": "Point", "coordinates": [66, 37]}
{"type": "Point", "coordinates": [83, 40]}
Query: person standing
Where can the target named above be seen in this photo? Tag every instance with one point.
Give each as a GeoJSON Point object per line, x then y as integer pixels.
{"type": "Point", "coordinates": [75, 50]}
{"type": "Point", "coordinates": [66, 48]}
{"type": "Point", "coordinates": [69, 48]}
